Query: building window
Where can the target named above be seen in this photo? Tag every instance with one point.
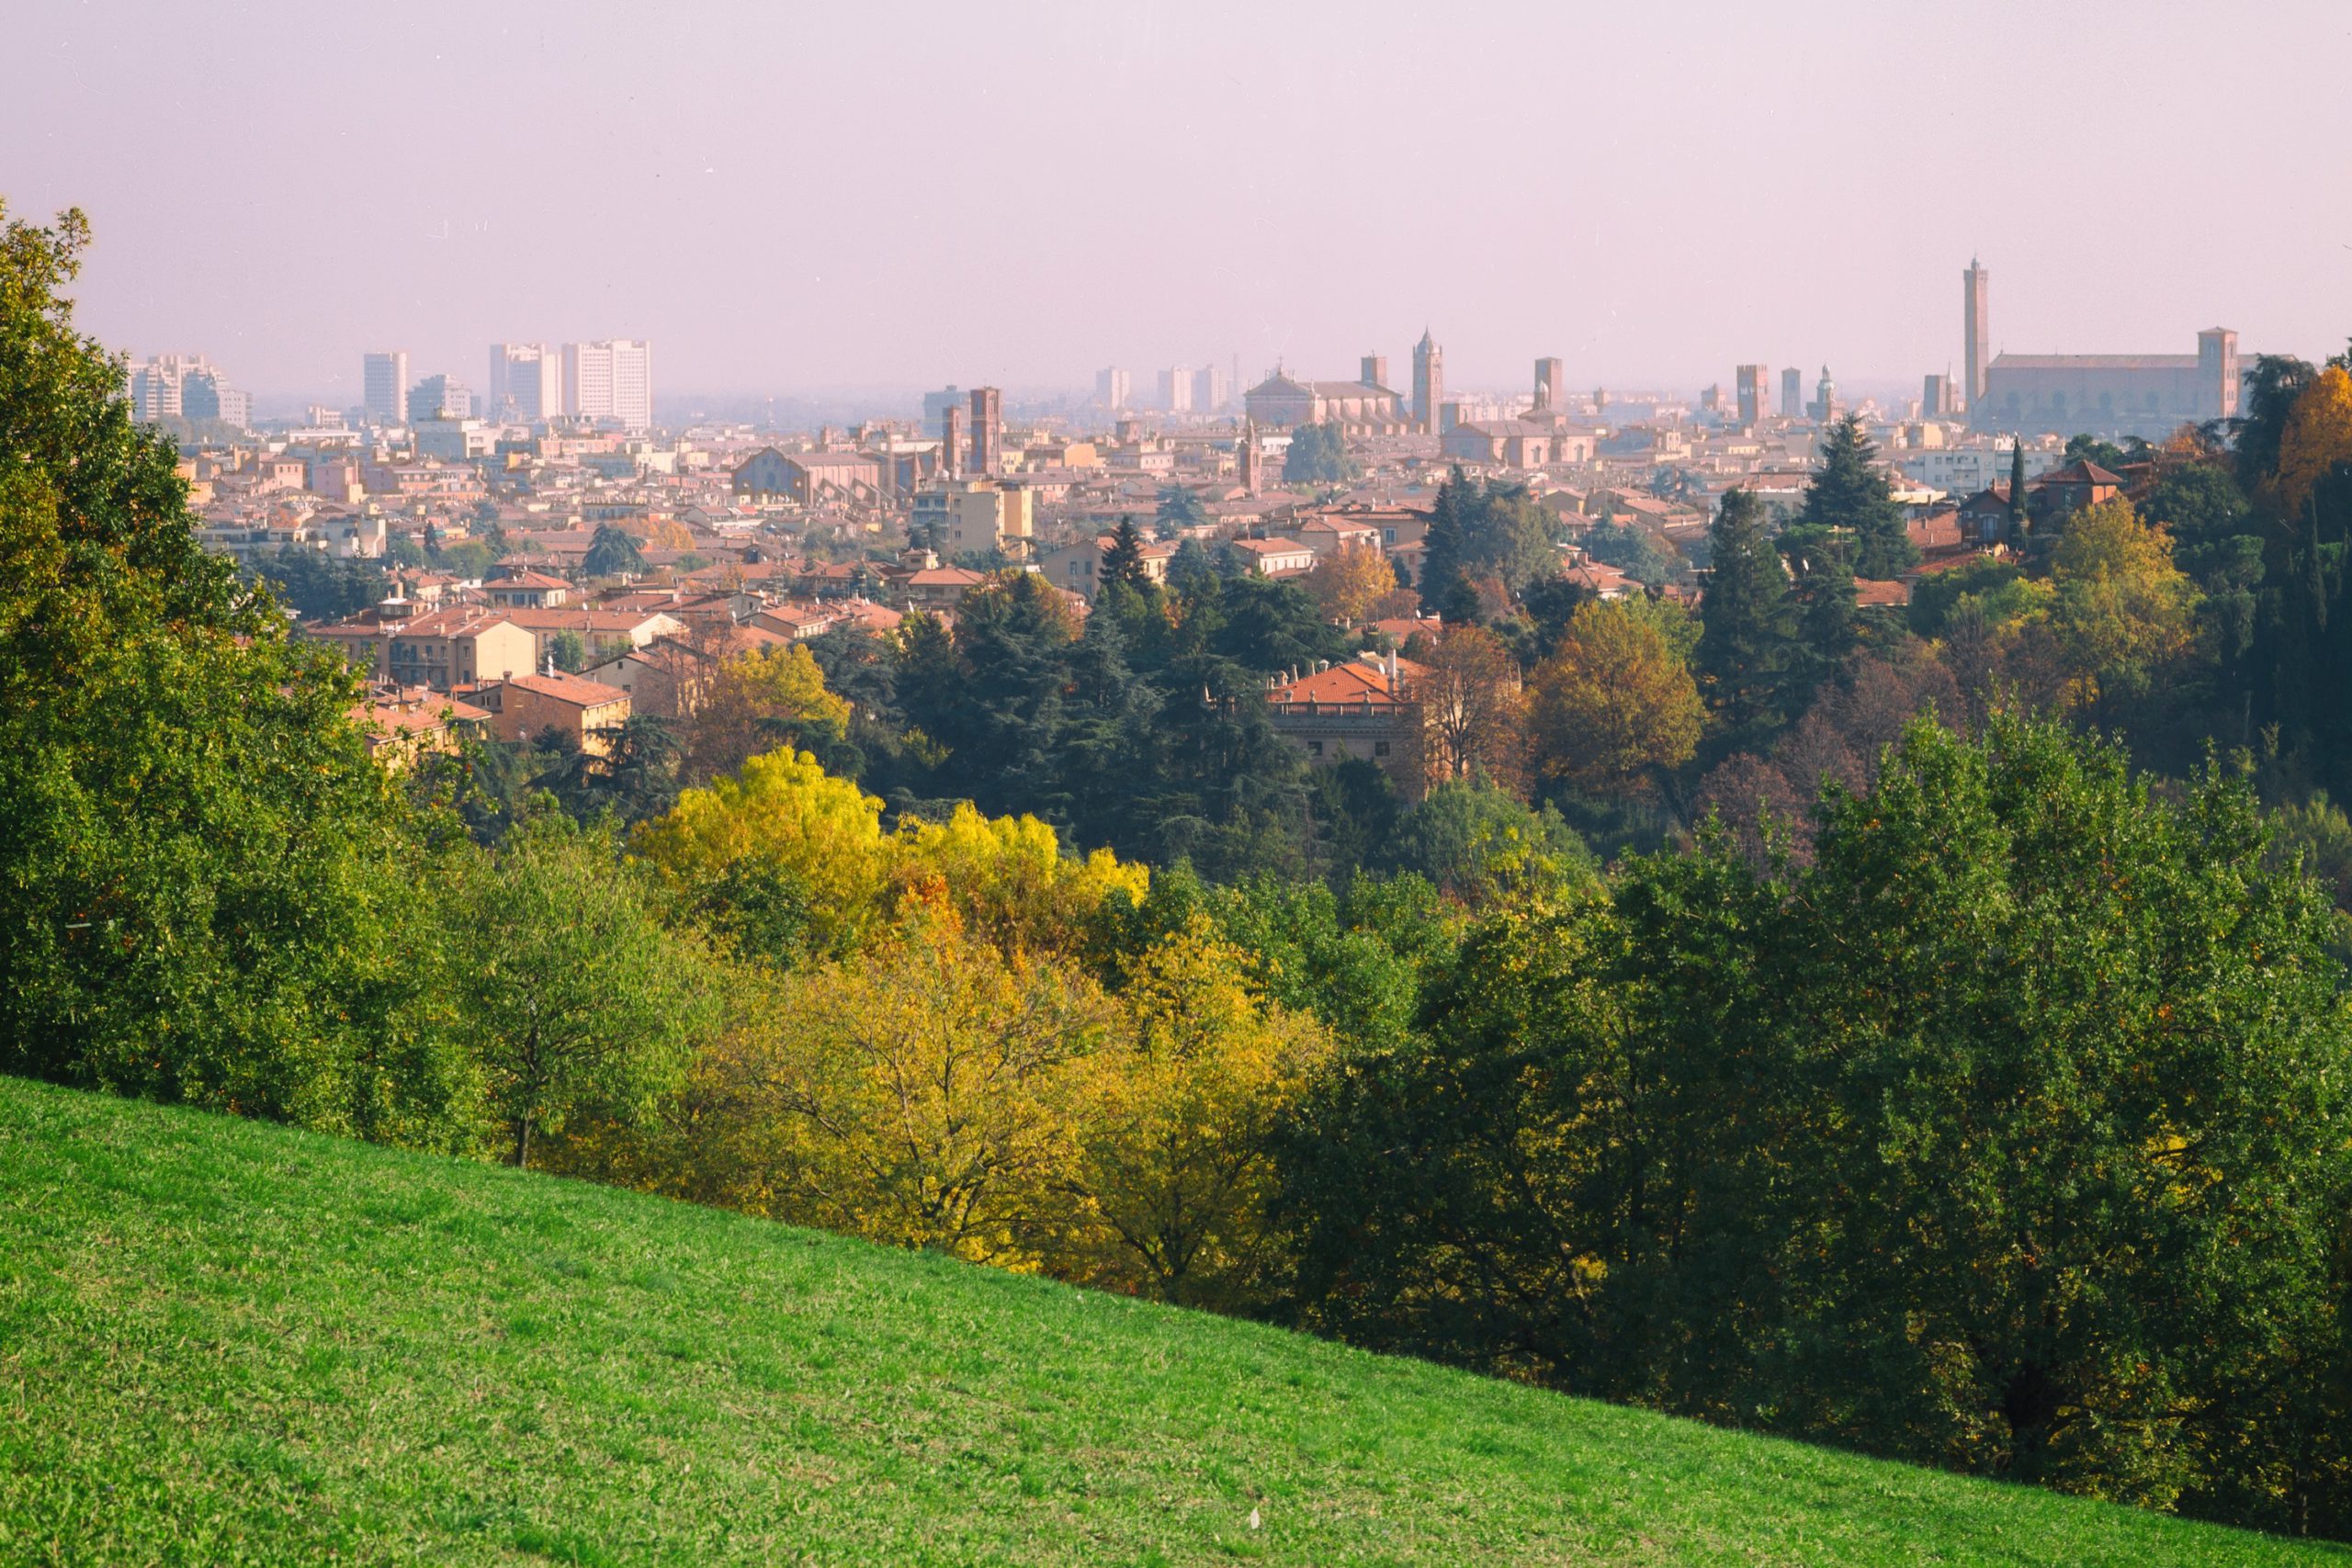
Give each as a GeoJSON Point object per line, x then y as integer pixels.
{"type": "Point", "coordinates": [1315, 748]}
{"type": "Point", "coordinates": [1380, 747]}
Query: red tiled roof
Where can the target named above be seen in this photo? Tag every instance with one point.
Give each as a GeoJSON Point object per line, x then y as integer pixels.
{"type": "Point", "coordinates": [563, 688]}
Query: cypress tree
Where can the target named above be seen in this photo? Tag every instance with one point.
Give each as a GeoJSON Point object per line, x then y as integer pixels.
{"type": "Point", "coordinates": [1749, 654]}
{"type": "Point", "coordinates": [2017, 492]}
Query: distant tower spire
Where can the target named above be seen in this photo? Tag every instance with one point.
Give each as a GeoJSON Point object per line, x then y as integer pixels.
{"type": "Point", "coordinates": [1976, 326]}
{"type": "Point", "coordinates": [1429, 382]}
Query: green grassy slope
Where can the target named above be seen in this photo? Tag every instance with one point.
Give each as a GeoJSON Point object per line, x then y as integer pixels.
{"type": "Point", "coordinates": [222, 1342]}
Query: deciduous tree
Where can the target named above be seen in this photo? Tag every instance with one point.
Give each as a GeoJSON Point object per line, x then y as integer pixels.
{"type": "Point", "coordinates": [1614, 706]}
{"type": "Point", "coordinates": [1350, 581]}
{"type": "Point", "coordinates": [1472, 708]}
{"type": "Point", "coordinates": [577, 1001]}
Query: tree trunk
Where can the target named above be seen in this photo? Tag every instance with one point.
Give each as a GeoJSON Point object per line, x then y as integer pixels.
{"type": "Point", "coordinates": [523, 1143]}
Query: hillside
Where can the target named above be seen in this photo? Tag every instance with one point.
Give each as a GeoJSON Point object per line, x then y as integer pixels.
{"type": "Point", "coordinates": [223, 1342]}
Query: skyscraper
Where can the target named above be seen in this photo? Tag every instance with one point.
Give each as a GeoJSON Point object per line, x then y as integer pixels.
{"type": "Point", "coordinates": [383, 384]}
{"type": "Point", "coordinates": [1212, 389]}
{"type": "Point", "coordinates": [988, 430]}
{"type": "Point", "coordinates": [1429, 382]}
{"type": "Point", "coordinates": [1977, 323]}
{"type": "Point", "coordinates": [1176, 389]}
{"type": "Point", "coordinates": [1792, 394]}
{"type": "Point", "coordinates": [1111, 387]}
{"type": "Point", "coordinates": [525, 381]}
{"type": "Point", "coordinates": [1551, 380]}
{"type": "Point", "coordinates": [439, 397]}
{"type": "Point", "coordinates": [1752, 388]}
{"type": "Point", "coordinates": [611, 379]}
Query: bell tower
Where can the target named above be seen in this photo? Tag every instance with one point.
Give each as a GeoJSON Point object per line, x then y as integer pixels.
{"type": "Point", "coordinates": [1429, 382]}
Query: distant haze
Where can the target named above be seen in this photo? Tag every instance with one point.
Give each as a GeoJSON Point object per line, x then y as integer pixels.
{"type": "Point", "coordinates": [797, 199]}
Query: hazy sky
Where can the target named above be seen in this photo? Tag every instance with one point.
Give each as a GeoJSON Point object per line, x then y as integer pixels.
{"type": "Point", "coordinates": [792, 198]}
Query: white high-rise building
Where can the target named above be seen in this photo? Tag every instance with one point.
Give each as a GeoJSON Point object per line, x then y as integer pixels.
{"type": "Point", "coordinates": [383, 387]}
{"type": "Point", "coordinates": [1212, 389]}
{"type": "Point", "coordinates": [439, 397]}
{"type": "Point", "coordinates": [611, 380]}
{"type": "Point", "coordinates": [1111, 388]}
{"type": "Point", "coordinates": [525, 381]}
{"type": "Point", "coordinates": [1176, 389]}
{"type": "Point", "coordinates": [185, 386]}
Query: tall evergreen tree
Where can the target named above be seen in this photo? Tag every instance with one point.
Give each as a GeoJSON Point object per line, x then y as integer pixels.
{"type": "Point", "coordinates": [1849, 492]}
{"type": "Point", "coordinates": [1749, 654]}
{"type": "Point", "coordinates": [1443, 545]}
{"type": "Point", "coordinates": [2017, 492]}
{"type": "Point", "coordinates": [1123, 562]}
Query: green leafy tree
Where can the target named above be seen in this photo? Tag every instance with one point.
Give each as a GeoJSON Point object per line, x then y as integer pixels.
{"type": "Point", "coordinates": [1631, 549]}
{"type": "Point", "coordinates": [1851, 495]}
{"type": "Point", "coordinates": [613, 552]}
{"type": "Point", "coordinates": [580, 1005]}
{"type": "Point", "coordinates": [569, 649]}
{"type": "Point", "coordinates": [1180, 511]}
{"type": "Point", "coordinates": [320, 587]}
{"type": "Point", "coordinates": [1319, 454]}
{"type": "Point", "coordinates": [211, 883]}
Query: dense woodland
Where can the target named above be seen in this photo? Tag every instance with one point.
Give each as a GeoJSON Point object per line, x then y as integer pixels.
{"type": "Point", "coordinates": [1917, 1031]}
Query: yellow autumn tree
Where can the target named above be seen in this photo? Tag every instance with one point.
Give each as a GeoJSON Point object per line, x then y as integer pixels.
{"type": "Point", "coordinates": [1004, 878]}
{"type": "Point", "coordinates": [2317, 435]}
{"type": "Point", "coordinates": [1348, 582]}
{"type": "Point", "coordinates": [919, 1094]}
{"type": "Point", "coordinates": [1177, 1115]}
{"type": "Point", "coordinates": [1007, 878]}
{"type": "Point", "coordinates": [785, 813]}
{"type": "Point", "coordinates": [756, 702]}
{"type": "Point", "coordinates": [1615, 702]}
{"type": "Point", "coordinates": [2123, 609]}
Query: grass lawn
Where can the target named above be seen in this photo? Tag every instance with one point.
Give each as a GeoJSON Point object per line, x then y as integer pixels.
{"type": "Point", "coordinates": [223, 1342]}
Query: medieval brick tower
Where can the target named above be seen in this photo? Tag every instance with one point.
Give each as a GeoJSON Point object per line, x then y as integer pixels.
{"type": "Point", "coordinates": [1429, 382]}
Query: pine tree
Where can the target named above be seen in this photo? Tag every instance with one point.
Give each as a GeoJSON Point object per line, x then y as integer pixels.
{"type": "Point", "coordinates": [1123, 562]}
{"type": "Point", "coordinates": [1849, 492]}
{"type": "Point", "coordinates": [1749, 654]}
{"type": "Point", "coordinates": [1442, 546]}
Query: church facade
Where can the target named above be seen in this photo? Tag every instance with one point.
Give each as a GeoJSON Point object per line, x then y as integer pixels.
{"type": "Point", "coordinates": [2148, 395]}
{"type": "Point", "coordinates": [1359, 407]}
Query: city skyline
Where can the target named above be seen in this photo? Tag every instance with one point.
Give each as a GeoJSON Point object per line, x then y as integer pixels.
{"type": "Point", "coordinates": [634, 185]}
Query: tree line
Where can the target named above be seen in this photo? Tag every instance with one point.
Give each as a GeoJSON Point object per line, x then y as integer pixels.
{"type": "Point", "coordinates": [1985, 1108]}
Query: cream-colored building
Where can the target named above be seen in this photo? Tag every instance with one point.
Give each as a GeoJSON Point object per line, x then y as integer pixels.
{"type": "Point", "coordinates": [974, 515]}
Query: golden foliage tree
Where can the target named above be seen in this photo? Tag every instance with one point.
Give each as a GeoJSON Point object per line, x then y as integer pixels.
{"type": "Point", "coordinates": [919, 1094]}
{"type": "Point", "coordinates": [1175, 1124]}
{"type": "Point", "coordinates": [2317, 437]}
{"type": "Point", "coordinates": [2122, 608]}
{"type": "Point", "coordinates": [1614, 704]}
{"type": "Point", "coordinates": [1004, 877]}
{"type": "Point", "coordinates": [1472, 708]}
{"type": "Point", "coordinates": [1348, 582]}
{"type": "Point", "coordinates": [756, 701]}
{"type": "Point", "coordinates": [785, 812]}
